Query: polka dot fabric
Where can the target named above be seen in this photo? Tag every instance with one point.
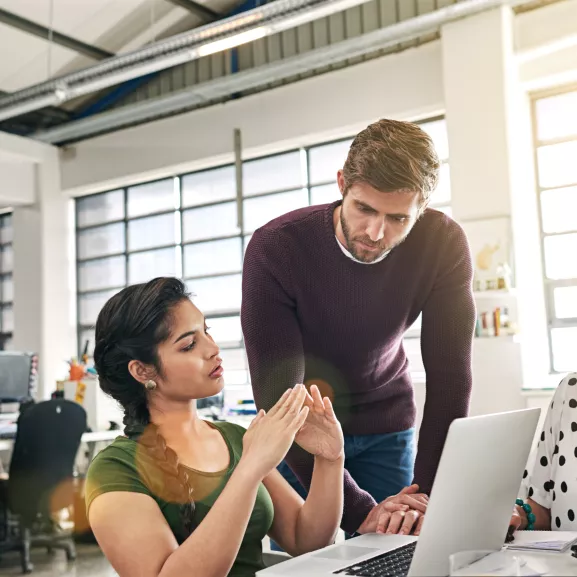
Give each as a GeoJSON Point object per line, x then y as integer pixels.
{"type": "Point", "coordinates": [551, 479]}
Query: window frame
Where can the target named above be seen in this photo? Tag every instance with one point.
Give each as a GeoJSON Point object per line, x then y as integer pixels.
{"type": "Point", "coordinates": [5, 335]}
{"type": "Point", "coordinates": [181, 209]}
{"type": "Point", "coordinates": [553, 321]}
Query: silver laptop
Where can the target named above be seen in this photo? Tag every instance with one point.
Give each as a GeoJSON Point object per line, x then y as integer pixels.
{"type": "Point", "coordinates": [477, 481]}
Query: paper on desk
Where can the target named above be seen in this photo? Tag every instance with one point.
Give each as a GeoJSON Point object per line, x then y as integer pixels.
{"type": "Point", "coordinates": [547, 541]}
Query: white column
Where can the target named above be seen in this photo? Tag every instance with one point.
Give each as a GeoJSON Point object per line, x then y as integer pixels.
{"type": "Point", "coordinates": [492, 175]}
{"type": "Point", "coordinates": [44, 301]}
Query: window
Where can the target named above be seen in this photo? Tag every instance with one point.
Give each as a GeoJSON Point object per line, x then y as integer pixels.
{"type": "Point", "coordinates": [555, 138]}
{"type": "Point", "coordinates": [189, 227]}
{"type": "Point", "coordinates": [6, 284]}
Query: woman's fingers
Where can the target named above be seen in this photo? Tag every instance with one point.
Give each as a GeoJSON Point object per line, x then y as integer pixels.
{"type": "Point", "coordinates": [294, 403]}
{"type": "Point", "coordinates": [280, 403]}
{"type": "Point", "coordinates": [258, 418]}
{"type": "Point", "coordinates": [317, 399]}
{"type": "Point", "coordinates": [329, 410]}
{"type": "Point", "coordinates": [300, 420]}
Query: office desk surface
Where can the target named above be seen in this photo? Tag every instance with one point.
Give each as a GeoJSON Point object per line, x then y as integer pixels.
{"type": "Point", "coordinates": [544, 563]}
{"type": "Point", "coordinates": [88, 438]}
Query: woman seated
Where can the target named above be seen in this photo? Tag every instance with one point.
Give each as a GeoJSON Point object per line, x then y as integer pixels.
{"type": "Point", "coordinates": [182, 496]}
{"type": "Point", "coordinates": [550, 481]}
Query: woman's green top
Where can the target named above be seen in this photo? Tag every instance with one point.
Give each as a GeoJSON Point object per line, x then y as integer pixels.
{"type": "Point", "coordinates": [127, 466]}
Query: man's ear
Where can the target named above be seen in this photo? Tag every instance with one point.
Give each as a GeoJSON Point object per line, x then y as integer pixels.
{"type": "Point", "coordinates": [140, 371]}
{"type": "Point", "coordinates": [341, 182]}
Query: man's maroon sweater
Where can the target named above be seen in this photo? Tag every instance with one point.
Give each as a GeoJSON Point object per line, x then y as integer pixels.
{"type": "Point", "coordinates": [311, 314]}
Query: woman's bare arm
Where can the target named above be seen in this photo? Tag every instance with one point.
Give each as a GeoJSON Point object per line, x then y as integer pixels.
{"type": "Point", "coordinates": [136, 539]}
{"type": "Point", "coordinates": [300, 527]}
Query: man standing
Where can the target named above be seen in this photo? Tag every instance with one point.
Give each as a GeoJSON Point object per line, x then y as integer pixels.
{"type": "Point", "coordinates": [328, 293]}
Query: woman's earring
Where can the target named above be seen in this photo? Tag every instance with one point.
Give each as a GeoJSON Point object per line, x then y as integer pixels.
{"type": "Point", "coordinates": [150, 385]}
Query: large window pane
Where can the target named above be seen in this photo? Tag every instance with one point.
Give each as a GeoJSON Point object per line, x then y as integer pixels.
{"type": "Point", "coordinates": [87, 335]}
{"type": "Point", "coordinates": [560, 256]}
{"type": "Point", "coordinates": [280, 172]}
{"type": "Point", "coordinates": [437, 130]}
{"type": "Point", "coordinates": [217, 294]}
{"type": "Point", "coordinates": [6, 259]}
{"type": "Point", "coordinates": [7, 319]}
{"type": "Point", "coordinates": [246, 240]}
{"type": "Point", "coordinates": [325, 194]}
{"type": "Point", "coordinates": [209, 186]}
{"type": "Point", "coordinates": [564, 342]}
{"type": "Point", "coordinates": [557, 116]}
{"type": "Point", "coordinates": [152, 197]}
{"type": "Point", "coordinates": [7, 289]}
{"type": "Point", "coordinates": [100, 208]}
{"type": "Point", "coordinates": [102, 273]}
{"type": "Point", "coordinates": [6, 228]}
{"type": "Point", "coordinates": [144, 266]}
{"type": "Point", "coordinates": [559, 209]}
{"type": "Point", "coordinates": [225, 331]}
{"type": "Point", "coordinates": [214, 257]}
{"type": "Point", "coordinates": [326, 160]}
{"type": "Point", "coordinates": [236, 377]}
{"type": "Point", "coordinates": [89, 305]}
{"type": "Point", "coordinates": [442, 194]}
{"type": "Point", "coordinates": [153, 231]}
{"type": "Point", "coordinates": [566, 303]}
{"type": "Point", "coordinates": [210, 222]}
{"type": "Point", "coordinates": [557, 166]}
{"type": "Point", "coordinates": [233, 359]}
{"type": "Point", "coordinates": [101, 241]}
{"type": "Point", "coordinates": [259, 211]}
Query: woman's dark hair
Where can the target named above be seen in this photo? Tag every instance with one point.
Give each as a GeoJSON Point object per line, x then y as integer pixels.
{"type": "Point", "coordinates": [131, 326]}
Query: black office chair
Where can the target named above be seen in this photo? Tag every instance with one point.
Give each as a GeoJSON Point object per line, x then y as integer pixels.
{"type": "Point", "coordinates": [41, 475]}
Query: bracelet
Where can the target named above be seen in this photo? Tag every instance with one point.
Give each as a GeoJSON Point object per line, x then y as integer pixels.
{"type": "Point", "coordinates": [529, 512]}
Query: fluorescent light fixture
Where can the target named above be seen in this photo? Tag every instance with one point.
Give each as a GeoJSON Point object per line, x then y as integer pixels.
{"type": "Point", "coordinates": [232, 41]}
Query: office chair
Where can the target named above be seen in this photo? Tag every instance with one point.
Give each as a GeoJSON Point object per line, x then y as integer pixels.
{"type": "Point", "coordinates": [41, 474]}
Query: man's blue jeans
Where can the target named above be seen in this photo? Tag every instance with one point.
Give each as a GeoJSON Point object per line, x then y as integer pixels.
{"type": "Point", "coordinates": [380, 464]}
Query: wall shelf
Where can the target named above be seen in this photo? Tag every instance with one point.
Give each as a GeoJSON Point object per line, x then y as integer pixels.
{"type": "Point", "coordinates": [495, 294]}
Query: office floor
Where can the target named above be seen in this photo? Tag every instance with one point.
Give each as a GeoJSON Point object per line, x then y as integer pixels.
{"type": "Point", "coordinates": [89, 563]}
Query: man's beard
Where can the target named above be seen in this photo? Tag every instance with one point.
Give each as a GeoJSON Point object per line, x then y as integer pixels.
{"type": "Point", "coordinates": [365, 257]}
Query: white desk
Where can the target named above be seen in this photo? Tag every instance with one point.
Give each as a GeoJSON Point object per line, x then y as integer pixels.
{"type": "Point", "coordinates": [544, 563]}
{"type": "Point", "coordinates": [88, 438]}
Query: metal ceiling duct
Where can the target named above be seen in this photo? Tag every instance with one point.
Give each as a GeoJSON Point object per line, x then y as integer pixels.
{"type": "Point", "coordinates": [264, 75]}
{"type": "Point", "coordinates": [208, 39]}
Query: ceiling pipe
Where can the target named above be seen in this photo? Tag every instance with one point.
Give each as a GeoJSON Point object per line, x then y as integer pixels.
{"type": "Point", "coordinates": [208, 39]}
{"type": "Point", "coordinates": [262, 76]}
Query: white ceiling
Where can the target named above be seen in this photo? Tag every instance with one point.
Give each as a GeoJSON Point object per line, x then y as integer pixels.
{"type": "Point", "coordinates": [113, 25]}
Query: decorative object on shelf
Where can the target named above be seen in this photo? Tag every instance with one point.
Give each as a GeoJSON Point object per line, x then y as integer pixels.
{"type": "Point", "coordinates": [490, 242]}
{"type": "Point", "coordinates": [496, 323]}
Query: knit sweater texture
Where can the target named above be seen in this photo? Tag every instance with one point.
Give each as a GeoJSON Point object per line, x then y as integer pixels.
{"type": "Point", "coordinates": [311, 315]}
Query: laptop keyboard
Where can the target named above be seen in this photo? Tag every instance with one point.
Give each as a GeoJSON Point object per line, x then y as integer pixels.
{"type": "Point", "coordinates": [394, 563]}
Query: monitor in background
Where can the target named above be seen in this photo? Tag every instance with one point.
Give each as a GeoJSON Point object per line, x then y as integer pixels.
{"type": "Point", "coordinates": [18, 372]}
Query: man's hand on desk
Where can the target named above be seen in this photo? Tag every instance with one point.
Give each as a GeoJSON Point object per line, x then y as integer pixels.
{"type": "Point", "coordinates": [401, 514]}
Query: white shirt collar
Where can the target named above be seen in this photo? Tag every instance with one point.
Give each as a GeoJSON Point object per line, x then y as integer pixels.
{"type": "Point", "coordinates": [347, 253]}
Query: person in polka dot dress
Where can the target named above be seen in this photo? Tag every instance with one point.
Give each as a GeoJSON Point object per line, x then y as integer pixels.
{"type": "Point", "coordinates": [550, 481]}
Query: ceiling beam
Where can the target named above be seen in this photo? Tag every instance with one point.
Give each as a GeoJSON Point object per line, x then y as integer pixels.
{"type": "Point", "coordinates": [204, 12]}
{"type": "Point", "coordinates": [30, 27]}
